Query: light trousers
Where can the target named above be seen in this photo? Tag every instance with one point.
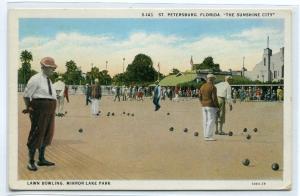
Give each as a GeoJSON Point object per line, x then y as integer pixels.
{"type": "Point", "coordinates": [95, 106]}
{"type": "Point", "coordinates": [60, 104]}
{"type": "Point", "coordinates": [209, 121]}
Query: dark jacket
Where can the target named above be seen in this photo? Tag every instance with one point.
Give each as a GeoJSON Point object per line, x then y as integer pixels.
{"type": "Point", "coordinates": [96, 91]}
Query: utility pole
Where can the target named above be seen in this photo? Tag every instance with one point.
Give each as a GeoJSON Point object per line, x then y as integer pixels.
{"type": "Point", "coordinates": [243, 74]}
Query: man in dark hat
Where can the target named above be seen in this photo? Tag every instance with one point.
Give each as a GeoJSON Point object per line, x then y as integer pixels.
{"type": "Point", "coordinates": [40, 101]}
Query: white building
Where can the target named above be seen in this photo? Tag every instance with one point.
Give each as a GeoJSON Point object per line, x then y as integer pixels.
{"type": "Point", "coordinates": [270, 68]}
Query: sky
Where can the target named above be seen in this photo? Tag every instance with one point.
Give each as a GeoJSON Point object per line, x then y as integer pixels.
{"type": "Point", "coordinates": [169, 42]}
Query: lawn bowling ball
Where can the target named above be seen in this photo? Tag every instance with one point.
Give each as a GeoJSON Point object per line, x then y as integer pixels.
{"type": "Point", "coordinates": [128, 114]}
{"type": "Point", "coordinates": [230, 133]}
{"type": "Point", "coordinates": [66, 112]}
{"type": "Point", "coordinates": [124, 112]}
{"type": "Point", "coordinates": [196, 134]}
{"type": "Point", "coordinates": [275, 166]}
{"type": "Point", "coordinates": [168, 113]}
{"type": "Point", "coordinates": [112, 114]}
{"type": "Point", "coordinates": [248, 137]}
{"type": "Point", "coordinates": [171, 129]}
{"type": "Point", "coordinates": [132, 114]}
{"type": "Point", "coordinates": [108, 114]}
{"type": "Point", "coordinates": [255, 129]}
{"type": "Point", "coordinates": [80, 130]}
{"type": "Point", "coordinates": [185, 130]}
{"type": "Point", "coordinates": [98, 114]}
{"type": "Point", "coordinates": [246, 162]}
{"type": "Point", "coordinates": [245, 129]}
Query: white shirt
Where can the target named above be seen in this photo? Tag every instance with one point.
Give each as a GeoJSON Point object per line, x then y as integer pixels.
{"type": "Point", "coordinates": [60, 87]}
{"type": "Point", "coordinates": [37, 87]}
{"type": "Point", "coordinates": [224, 90]}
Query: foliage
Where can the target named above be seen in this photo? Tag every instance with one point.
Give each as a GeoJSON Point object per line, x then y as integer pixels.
{"type": "Point", "coordinates": [103, 76]}
{"type": "Point", "coordinates": [141, 70]}
{"type": "Point", "coordinates": [73, 75]}
{"type": "Point", "coordinates": [208, 63]}
{"type": "Point", "coordinates": [174, 71]}
{"type": "Point", "coordinates": [243, 80]}
{"type": "Point", "coordinates": [25, 72]}
{"type": "Point", "coordinates": [120, 79]}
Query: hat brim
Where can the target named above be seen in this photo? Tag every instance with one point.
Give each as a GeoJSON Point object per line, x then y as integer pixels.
{"type": "Point", "coordinates": [51, 66]}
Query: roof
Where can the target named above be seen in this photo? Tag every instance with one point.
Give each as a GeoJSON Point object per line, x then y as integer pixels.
{"type": "Point", "coordinates": [173, 80]}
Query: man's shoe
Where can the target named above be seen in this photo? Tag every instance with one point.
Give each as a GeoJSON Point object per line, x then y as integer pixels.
{"type": "Point", "coordinates": [210, 139]}
{"type": "Point", "coordinates": [217, 133]}
{"type": "Point", "coordinates": [222, 133]}
{"type": "Point", "coordinates": [45, 163]}
{"type": "Point", "coordinates": [31, 166]}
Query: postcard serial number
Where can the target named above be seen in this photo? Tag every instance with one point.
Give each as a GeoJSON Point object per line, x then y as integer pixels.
{"type": "Point", "coordinates": [149, 14]}
{"type": "Point", "coordinates": [258, 183]}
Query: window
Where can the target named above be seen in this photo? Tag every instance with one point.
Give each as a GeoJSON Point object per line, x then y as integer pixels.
{"type": "Point", "coordinates": [257, 76]}
{"type": "Point", "coordinates": [275, 74]}
{"type": "Point", "coordinates": [265, 61]}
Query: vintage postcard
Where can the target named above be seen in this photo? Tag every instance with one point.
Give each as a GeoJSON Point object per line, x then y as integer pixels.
{"type": "Point", "coordinates": [150, 98]}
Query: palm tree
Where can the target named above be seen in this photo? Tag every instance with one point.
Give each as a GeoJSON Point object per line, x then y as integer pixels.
{"type": "Point", "coordinates": [26, 56]}
{"type": "Point", "coordinates": [25, 70]}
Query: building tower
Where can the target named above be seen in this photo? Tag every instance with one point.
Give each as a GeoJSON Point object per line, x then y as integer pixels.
{"type": "Point", "coordinates": [267, 61]}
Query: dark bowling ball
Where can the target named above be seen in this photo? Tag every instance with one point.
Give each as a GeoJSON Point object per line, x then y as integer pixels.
{"type": "Point", "coordinates": [97, 114]}
{"type": "Point", "coordinates": [196, 134]}
{"type": "Point", "coordinates": [112, 114]}
{"type": "Point", "coordinates": [66, 112]}
{"type": "Point", "coordinates": [171, 129]}
{"type": "Point", "coordinates": [245, 130]}
{"type": "Point", "coordinates": [185, 129]}
{"type": "Point", "coordinates": [80, 130]}
{"type": "Point", "coordinates": [255, 129]}
{"type": "Point", "coordinates": [132, 114]}
{"type": "Point", "coordinates": [248, 137]}
{"type": "Point", "coordinates": [246, 162]}
{"type": "Point", "coordinates": [275, 166]}
{"type": "Point", "coordinates": [230, 133]}
{"type": "Point", "coordinates": [108, 114]}
{"type": "Point", "coordinates": [128, 114]}
{"type": "Point", "coordinates": [168, 113]}
{"type": "Point", "coordinates": [124, 112]}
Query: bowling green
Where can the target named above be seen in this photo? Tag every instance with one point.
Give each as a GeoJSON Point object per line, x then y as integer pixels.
{"type": "Point", "coordinates": [142, 147]}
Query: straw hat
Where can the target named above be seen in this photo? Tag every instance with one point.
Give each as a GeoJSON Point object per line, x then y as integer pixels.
{"type": "Point", "coordinates": [211, 76]}
{"type": "Point", "coordinates": [48, 62]}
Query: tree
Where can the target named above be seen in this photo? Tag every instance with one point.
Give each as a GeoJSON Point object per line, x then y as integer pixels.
{"type": "Point", "coordinates": [120, 79]}
{"type": "Point", "coordinates": [141, 70]}
{"type": "Point", "coordinates": [25, 72]}
{"type": "Point", "coordinates": [174, 71]}
{"type": "Point", "coordinates": [73, 73]}
{"type": "Point", "coordinates": [208, 63]}
{"type": "Point", "coordinates": [104, 78]}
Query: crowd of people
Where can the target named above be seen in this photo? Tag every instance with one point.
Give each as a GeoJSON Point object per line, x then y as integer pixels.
{"type": "Point", "coordinates": [258, 93]}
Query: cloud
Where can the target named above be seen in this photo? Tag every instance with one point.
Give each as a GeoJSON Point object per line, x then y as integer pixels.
{"type": "Point", "coordinates": [169, 50]}
{"type": "Point", "coordinates": [259, 34]}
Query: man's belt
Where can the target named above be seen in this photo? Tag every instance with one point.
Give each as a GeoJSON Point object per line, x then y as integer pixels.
{"type": "Point", "coordinates": [43, 99]}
